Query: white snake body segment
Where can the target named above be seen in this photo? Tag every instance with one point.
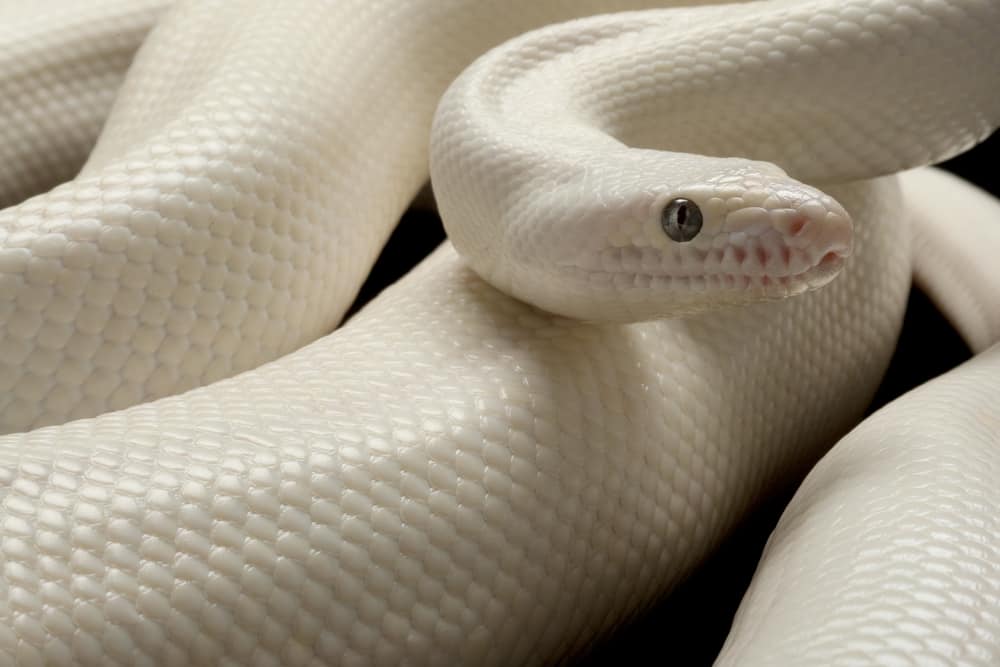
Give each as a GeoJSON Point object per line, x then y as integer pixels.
{"type": "Point", "coordinates": [61, 64]}
{"type": "Point", "coordinates": [911, 573]}
{"type": "Point", "coordinates": [455, 476]}
{"type": "Point", "coordinates": [235, 200]}
{"type": "Point", "coordinates": [546, 182]}
{"type": "Point", "coordinates": [956, 264]}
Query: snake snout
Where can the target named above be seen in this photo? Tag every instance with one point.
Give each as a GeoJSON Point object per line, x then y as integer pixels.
{"type": "Point", "coordinates": [814, 224]}
{"type": "Point", "coordinates": [823, 235]}
{"type": "Point", "coordinates": [784, 244]}
{"type": "Point", "coordinates": [834, 235]}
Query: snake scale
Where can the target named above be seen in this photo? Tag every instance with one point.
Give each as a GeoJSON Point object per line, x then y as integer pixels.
{"type": "Point", "coordinates": [456, 475]}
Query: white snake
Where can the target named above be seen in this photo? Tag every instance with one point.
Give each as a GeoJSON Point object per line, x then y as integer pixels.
{"type": "Point", "coordinates": [456, 476]}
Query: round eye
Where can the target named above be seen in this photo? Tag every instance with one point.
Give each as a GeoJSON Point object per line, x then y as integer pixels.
{"type": "Point", "coordinates": [681, 219]}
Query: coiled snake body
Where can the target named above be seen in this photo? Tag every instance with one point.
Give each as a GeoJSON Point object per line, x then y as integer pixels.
{"type": "Point", "coordinates": [455, 476]}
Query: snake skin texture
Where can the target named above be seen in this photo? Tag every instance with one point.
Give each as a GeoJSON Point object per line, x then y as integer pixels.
{"type": "Point", "coordinates": [956, 263]}
{"type": "Point", "coordinates": [253, 165]}
{"type": "Point", "coordinates": [61, 64]}
{"type": "Point", "coordinates": [567, 215]}
{"type": "Point", "coordinates": [890, 551]}
{"type": "Point", "coordinates": [518, 484]}
{"type": "Point", "coordinates": [454, 477]}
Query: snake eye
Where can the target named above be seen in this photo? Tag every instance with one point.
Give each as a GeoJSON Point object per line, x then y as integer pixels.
{"type": "Point", "coordinates": [681, 220]}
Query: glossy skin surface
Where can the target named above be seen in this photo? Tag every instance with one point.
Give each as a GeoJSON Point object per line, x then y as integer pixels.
{"type": "Point", "coordinates": [544, 172]}
{"type": "Point", "coordinates": [889, 552]}
{"type": "Point", "coordinates": [455, 476]}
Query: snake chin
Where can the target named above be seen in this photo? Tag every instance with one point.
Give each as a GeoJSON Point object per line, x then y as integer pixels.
{"type": "Point", "coordinates": [641, 284]}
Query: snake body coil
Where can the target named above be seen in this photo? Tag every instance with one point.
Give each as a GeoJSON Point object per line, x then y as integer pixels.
{"type": "Point", "coordinates": [455, 476]}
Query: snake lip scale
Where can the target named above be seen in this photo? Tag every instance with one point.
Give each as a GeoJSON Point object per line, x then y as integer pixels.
{"type": "Point", "coordinates": [764, 286]}
{"type": "Point", "coordinates": [735, 265]}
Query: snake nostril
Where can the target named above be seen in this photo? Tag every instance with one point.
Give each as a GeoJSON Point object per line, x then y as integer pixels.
{"type": "Point", "coordinates": [796, 226]}
{"type": "Point", "coordinates": [831, 258]}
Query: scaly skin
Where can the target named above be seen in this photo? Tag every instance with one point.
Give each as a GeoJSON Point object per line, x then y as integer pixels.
{"type": "Point", "coordinates": [455, 476]}
{"type": "Point", "coordinates": [255, 161]}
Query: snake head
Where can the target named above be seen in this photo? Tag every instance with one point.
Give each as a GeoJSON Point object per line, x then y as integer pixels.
{"type": "Point", "coordinates": [734, 232]}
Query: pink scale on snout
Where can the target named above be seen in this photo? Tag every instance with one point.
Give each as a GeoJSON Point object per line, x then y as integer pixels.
{"type": "Point", "coordinates": [830, 258]}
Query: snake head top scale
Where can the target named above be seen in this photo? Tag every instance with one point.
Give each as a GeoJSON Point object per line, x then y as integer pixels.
{"type": "Point", "coordinates": [642, 234]}
{"type": "Point", "coordinates": [579, 167]}
{"type": "Point", "coordinates": [557, 201]}
{"type": "Point", "coordinates": [648, 244]}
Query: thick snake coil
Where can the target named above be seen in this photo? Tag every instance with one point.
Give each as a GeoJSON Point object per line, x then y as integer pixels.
{"type": "Point", "coordinates": [457, 476]}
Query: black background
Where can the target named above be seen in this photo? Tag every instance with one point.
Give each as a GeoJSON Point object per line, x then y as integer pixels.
{"type": "Point", "coordinates": [689, 627]}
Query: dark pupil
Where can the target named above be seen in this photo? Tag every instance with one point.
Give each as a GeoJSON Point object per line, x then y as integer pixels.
{"type": "Point", "coordinates": [681, 220]}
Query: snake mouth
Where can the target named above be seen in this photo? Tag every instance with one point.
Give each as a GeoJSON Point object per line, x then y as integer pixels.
{"type": "Point", "coordinates": [751, 270]}
{"type": "Point", "coordinates": [782, 269]}
{"type": "Point", "coordinates": [818, 274]}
